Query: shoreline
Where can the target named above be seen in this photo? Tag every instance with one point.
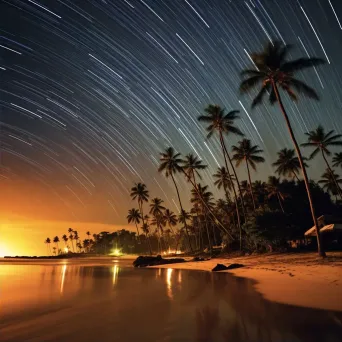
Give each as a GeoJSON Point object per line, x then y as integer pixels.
{"type": "Point", "coordinates": [301, 279]}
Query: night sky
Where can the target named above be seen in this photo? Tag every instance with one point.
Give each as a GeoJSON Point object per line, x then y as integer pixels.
{"type": "Point", "coordinates": [93, 90]}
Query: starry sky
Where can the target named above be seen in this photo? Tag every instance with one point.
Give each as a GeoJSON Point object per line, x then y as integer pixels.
{"type": "Point", "coordinates": [92, 90]}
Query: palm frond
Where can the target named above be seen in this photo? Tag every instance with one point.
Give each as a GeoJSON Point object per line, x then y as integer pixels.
{"type": "Point", "coordinates": [249, 83]}
{"type": "Point", "coordinates": [301, 63]}
{"type": "Point", "coordinates": [303, 88]}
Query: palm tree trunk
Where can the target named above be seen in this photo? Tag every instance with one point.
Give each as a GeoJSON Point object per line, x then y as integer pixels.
{"type": "Point", "coordinates": [209, 240]}
{"type": "Point", "coordinates": [295, 175]}
{"type": "Point", "coordinates": [320, 247]}
{"type": "Point", "coordinates": [332, 175]}
{"type": "Point", "coordinates": [250, 185]}
{"type": "Point", "coordinates": [180, 204]}
{"type": "Point", "coordinates": [234, 191]}
{"type": "Point", "coordinates": [136, 225]}
{"type": "Point", "coordinates": [281, 206]}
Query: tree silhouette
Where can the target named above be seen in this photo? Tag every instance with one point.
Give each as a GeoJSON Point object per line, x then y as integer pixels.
{"type": "Point", "coordinates": [272, 72]}
{"type": "Point", "coordinates": [249, 154]}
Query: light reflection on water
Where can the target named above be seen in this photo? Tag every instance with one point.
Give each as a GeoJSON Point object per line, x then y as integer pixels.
{"type": "Point", "coordinates": [66, 301]}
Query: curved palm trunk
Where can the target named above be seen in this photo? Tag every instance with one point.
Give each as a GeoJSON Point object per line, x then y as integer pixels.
{"type": "Point", "coordinates": [180, 204]}
{"type": "Point", "coordinates": [234, 191]}
{"type": "Point", "coordinates": [281, 206]}
{"type": "Point", "coordinates": [295, 176]}
{"type": "Point", "coordinates": [209, 240]}
{"type": "Point", "coordinates": [332, 175]}
{"type": "Point", "coordinates": [250, 185]}
{"type": "Point", "coordinates": [236, 178]}
{"type": "Point", "coordinates": [306, 180]}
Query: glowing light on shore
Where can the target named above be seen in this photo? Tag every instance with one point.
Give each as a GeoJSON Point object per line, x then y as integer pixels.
{"type": "Point", "coordinates": [169, 282]}
{"type": "Point", "coordinates": [115, 274]}
{"type": "Point", "coordinates": [63, 277]}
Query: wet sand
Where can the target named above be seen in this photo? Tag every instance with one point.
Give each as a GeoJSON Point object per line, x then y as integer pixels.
{"type": "Point", "coordinates": [298, 279]}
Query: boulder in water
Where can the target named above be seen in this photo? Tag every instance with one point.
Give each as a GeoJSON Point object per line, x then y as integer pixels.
{"type": "Point", "coordinates": [143, 261]}
{"type": "Point", "coordinates": [221, 267]}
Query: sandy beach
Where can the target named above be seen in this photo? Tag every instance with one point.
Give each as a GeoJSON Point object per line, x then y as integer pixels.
{"type": "Point", "coordinates": [298, 279]}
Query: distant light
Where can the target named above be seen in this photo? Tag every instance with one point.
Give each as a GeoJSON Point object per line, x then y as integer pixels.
{"type": "Point", "coordinates": [66, 250]}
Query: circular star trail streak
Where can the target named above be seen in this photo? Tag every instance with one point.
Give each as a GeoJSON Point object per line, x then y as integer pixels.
{"type": "Point", "coordinates": [93, 90]}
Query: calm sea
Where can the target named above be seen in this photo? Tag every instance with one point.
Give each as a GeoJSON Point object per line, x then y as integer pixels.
{"type": "Point", "coordinates": [86, 301]}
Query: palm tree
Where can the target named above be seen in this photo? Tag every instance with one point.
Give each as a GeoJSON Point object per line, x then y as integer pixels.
{"type": "Point", "coordinates": [65, 239]}
{"type": "Point", "coordinates": [76, 237]}
{"type": "Point", "coordinates": [56, 240]}
{"type": "Point", "coordinates": [48, 242]}
{"type": "Point", "coordinates": [222, 123]}
{"type": "Point", "coordinates": [337, 159]}
{"type": "Point", "coordinates": [321, 141]}
{"type": "Point", "coordinates": [288, 164]}
{"type": "Point", "coordinates": [135, 217]}
{"type": "Point", "coordinates": [170, 164]}
{"type": "Point", "coordinates": [140, 192]}
{"type": "Point", "coordinates": [329, 181]}
{"type": "Point", "coordinates": [145, 229]}
{"type": "Point", "coordinates": [88, 234]}
{"type": "Point", "coordinates": [260, 190]}
{"type": "Point", "coordinates": [273, 189]}
{"type": "Point", "coordinates": [191, 166]}
{"type": "Point", "coordinates": [156, 209]}
{"type": "Point", "coordinates": [223, 181]}
{"type": "Point", "coordinates": [170, 219]}
{"type": "Point", "coordinates": [71, 238]}
{"type": "Point", "coordinates": [249, 154]}
{"type": "Point", "coordinates": [273, 71]}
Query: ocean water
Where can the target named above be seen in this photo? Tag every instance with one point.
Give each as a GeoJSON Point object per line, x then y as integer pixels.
{"type": "Point", "coordinates": [109, 300]}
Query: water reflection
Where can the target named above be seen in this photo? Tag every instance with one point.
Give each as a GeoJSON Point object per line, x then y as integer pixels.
{"type": "Point", "coordinates": [118, 303]}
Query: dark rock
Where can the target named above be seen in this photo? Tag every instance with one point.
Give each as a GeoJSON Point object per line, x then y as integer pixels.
{"type": "Point", "coordinates": [232, 266]}
{"type": "Point", "coordinates": [143, 261]}
{"type": "Point", "coordinates": [198, 259]}
{"type": "Point", "coordinates": [219, 267]}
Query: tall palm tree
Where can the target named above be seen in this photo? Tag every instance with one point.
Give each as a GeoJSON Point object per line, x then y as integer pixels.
{"type": "Point", "coordinates": [56, 240]}
{"type": "Point", "coordinates": [135, 217]}
{"type": "Point", "coordinates": [76, 237]}
{"type": "Point", "coordinates": [337, 159]}
{"type": "Point", "coordinates": [140, 193]}
{"type": "Point", "coordinates": [191, 165]}
{"type": "Point", "coordinates": [48, 244]}
{"type": "Point", "coordinates": [321, 141]}
{"type": "Point", "coordinates": [170, 164]}
{"type": "Point", "coordinates": [223, 124]}
{"type": "Point", "coordinates": [200, 197]}
{"type": "Point", "coordinates": [272, 72]}
{"type": "Point", "coordinates": [274, 190]}
{"type": "Point", "coordinates": [223, 181]}
{"type": "Point", "coordinates": [249, 154]}
{"type": "Point", "coordinates": [145, 229]}
{"type": "Point", "coordinates": [156, 209]}
{"type": "Point", "coordinates": [65, 239]}
{"type": "Point", "coordinates": [329, 181]}
{"type": "Point", "coordinates": [71, 238]}
{"type": "Point", "coordinates": [288, 163]}
{"type": "Point", "coordinates": [170, 219]}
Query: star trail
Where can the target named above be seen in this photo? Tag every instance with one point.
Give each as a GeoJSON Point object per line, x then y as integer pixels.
{"type": "Point", "coordinates": [91, 91]}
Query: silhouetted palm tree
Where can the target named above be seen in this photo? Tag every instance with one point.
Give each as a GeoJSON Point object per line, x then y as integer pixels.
{"type": "Point", "coordinates": [56, 240]}
{"type": "Point", "coordinates": [71, 238]}
{"type": "Point", "coordinates": [273, 71]}
{"type": "Point", "coordinates": [146, 230]}
{"type": "Point", "coordinates": [223, 124]}
{"type": "Point", "coordinates": [140, 193]}
{"type": "Point", "coordinates": [337, 159]}
{"type": "Point", "coordinates": [88, 234]}
{"type": "Point", "coordinates": [288, 163]}
{"type": "Point", "coordinates": [170, 164]}
{"type": "Point", "coordinates": [249, 154]}
{"type": "Point", "coordinates": [321, 141]}
{"type": "Point", "coordinates": [191, 165]}
{"type": "Point", "coordinates": [223, 181]}
{"type": "Point", "coordinates": [329, 181]}
{"type": "Point", "coordinates": [171, 219]}
{"type": "Point", "coordinates": [65, 239]}
{"type": "Point", "coordinates": [135, 217]}
{"type": "Point", "coordinates": [48, 244]}
{"type": "Point", "coordinates": [273, 189]}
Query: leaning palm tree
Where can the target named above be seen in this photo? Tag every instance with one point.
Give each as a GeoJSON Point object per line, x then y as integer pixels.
{"type": "Point", "coordinates": [337, 159]}
{"type": "Point", "coordinates": [287, 163]}
{"type": "Point", "coordinates": [247, 153]}
{"type": "Point", "coordinates": [56, 240]}
{"type": "Point", "coordinates": [329, 180]}
{"type": "Point", "coordinates": [191, 166]}
{"type": "Point", "coordinates": [274, 190]}
{"type": "Point", "coordinates": [170, 164]}
{"type": "Point", "coordinates": [272, 71]}
{"type": "Point", "coordinates": [146, 230]}
{"type": "Point", "coordinates": [156, 209]}
{"type": "Point", "coordinates": [140, 193]}
{"type": "Point", "coordinates": [170, 219]}
{"type": "Point", "coordinates": [321, 141]}
{"type": "Point", "coordinates": [135, 217]}
{"type": "Point", "coordinates": [48, 243]}
{"type": "Point", "coordinates": [222, 124]}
